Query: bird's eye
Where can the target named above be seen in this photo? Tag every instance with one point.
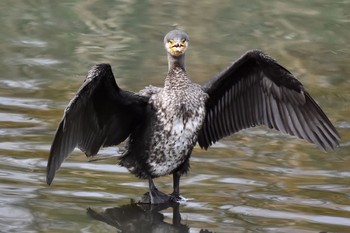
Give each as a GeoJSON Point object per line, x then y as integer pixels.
{"type": "Point", "coordinates": [183, 40]}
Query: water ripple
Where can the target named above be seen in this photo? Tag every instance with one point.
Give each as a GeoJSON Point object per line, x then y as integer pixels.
{"type": "Point", "coordinates": [15, 219]}
{"type": "Point", "coordinates": [327, 187]}
{"type": "Point", "coordinates": [295, 200]}
{"type": "Point", "coordinates": [297, 172]}
{"type": "Point", "coordinates": [23, 146]}
{"type": "Point", "coordinates": [88, 194]}
{"type": "Point", "coordinates": [231, 180]}
{"type": "Point", "coordinates": [38, 61]}
{"type": "Point", "coordinates": [30, 42]}
{"type": "Point", "coordinates": [19, 118]}
{"type": "Point", "coordinates": [276, 214]}
{"type": "Point", "coordinates": [25, 84]}
{"type": "Point", "coordinates": [95, 167]}
{"type": "Point", "coordinates": [41, 104]}
{"type": "Point", "coordinates": [22, 176]}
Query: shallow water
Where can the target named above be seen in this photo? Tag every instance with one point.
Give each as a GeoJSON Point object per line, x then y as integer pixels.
{"type": "Point", "coordinates": [255, 181]}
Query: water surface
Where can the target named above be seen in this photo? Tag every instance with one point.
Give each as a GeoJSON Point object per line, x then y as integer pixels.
{"type": "Point", "coordinates": [255, 181]}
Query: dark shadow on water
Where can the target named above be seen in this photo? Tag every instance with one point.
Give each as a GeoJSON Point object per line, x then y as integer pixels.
{"type": "Point", "coordinates": [142, 218]}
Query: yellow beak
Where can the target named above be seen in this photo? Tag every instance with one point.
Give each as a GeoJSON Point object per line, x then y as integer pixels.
{"type": "Point", "coordinates": [177, 47]}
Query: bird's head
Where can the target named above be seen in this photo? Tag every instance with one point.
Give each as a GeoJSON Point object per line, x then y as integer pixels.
{"type": "Point", "coordinates": [176, 42]}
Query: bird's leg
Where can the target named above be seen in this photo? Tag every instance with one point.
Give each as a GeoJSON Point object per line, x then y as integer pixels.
{"type": "Point", "coordinates": [176, 215]}
{"type": "Point", "coordinates": [176, 184]}
{"type": "Point", "coordinates": [154, 196]}
{"type": "Point", "coordinates": [175, 196]}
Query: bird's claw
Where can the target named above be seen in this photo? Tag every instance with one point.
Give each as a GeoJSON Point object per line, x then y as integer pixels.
{"type": "Point", "coordinates": [177, 198]}
{"type": "Point", "coordinates": [157, 197]}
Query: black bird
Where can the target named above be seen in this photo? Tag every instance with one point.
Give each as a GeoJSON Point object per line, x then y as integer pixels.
{"type": "Point", "coordinates": [163, 125]}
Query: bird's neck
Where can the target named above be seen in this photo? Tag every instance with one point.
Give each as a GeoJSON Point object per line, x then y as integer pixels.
{"type": "Point", "coordinates": [176, 79]}
{"type": "Point", "coordinates": [175, 62]}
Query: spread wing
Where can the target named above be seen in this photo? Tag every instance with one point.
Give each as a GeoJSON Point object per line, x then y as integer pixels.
{"type": "Point", "coordinates": [256, 90]}
{"type": "Point", "coordinates": [100, 114]}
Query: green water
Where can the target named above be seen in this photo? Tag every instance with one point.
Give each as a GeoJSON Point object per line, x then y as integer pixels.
{"type": "Point", "coordinates": [255, 181]}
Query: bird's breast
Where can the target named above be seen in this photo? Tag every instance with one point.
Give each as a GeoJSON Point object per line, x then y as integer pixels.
{"type": "Point", "coordinates": [179, 117]}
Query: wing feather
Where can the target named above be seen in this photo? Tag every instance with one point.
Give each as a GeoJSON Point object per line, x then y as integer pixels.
{"type": "Point", "coordinates": [256, 90]}
{"type": "Point", "coordinates": [100, 114]}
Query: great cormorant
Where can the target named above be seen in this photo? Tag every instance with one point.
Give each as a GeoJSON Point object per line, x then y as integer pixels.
{"type": "Point", "coordinates": [163, 125]}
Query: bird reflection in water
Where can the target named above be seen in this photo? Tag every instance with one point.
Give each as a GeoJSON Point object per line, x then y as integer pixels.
{"type": "Point", "coordinates": [142, 218]}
